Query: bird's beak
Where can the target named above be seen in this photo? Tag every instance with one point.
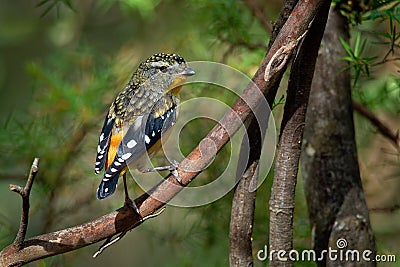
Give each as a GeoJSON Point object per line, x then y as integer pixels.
{"type": "Point", "coordinates": [188, 72]}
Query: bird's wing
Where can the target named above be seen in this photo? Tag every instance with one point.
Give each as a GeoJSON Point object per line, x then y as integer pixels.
{"type": "Point", "coordinates": [156, 126]}
{"type": "Point", "coordinates": [104, 143]}
{"type": "Point", "coordinates": [138, 137]}
{"type": "Point", "coordinates": [127, 144]}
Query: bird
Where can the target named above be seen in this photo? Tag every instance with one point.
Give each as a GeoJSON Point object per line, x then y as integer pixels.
{"type": "Point", "coordinates": [139, 117]}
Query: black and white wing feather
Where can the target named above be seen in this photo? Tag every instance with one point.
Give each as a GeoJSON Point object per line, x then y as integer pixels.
{"type": "Point", "coordinates": [104, 143]}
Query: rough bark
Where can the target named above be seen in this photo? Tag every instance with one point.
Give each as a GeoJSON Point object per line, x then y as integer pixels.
{"type": "Point", "coordinates": [289, 148]}
{"type": "Point", "coordinates": [332, 183]}
{"type": "Point", "coordinates": [243, 202]}
{"type": "Point", "coordinates": [242, 217]}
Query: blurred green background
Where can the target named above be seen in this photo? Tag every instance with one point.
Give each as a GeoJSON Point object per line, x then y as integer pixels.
{"type": "Point", "coordinates": [61, 66]}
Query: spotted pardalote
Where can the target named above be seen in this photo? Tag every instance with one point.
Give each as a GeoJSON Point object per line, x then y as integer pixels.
{"type": "Point", "coordinates": [138, 117]}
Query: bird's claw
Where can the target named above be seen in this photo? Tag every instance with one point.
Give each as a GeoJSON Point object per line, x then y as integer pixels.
{"type": "Point", "coordinates": [131, 203]}
{"type": "Point", "coordinates": [173, 168]}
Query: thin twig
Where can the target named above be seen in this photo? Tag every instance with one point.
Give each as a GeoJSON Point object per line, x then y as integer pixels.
{"type": "Point", "coordinates": [24, 193]}
{"type": "Point", "coordinates": [381, 126]}
{"type": "Point", "coordinates": [259, 14]}
{"type": "Point", "coordinates": [239, 43]}
{"type": "Point", "coordinates": [72, 147]}
{"type": "Point", "coordinates": [383, 61]}
{"type": "Point", "coordinates": [385, 209]}
{"type": "Point", "coordinates": [109, 241]}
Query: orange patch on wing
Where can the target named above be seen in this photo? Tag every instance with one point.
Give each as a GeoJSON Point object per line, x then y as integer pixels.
{"type": "Point", "coordinates": [112, 150]}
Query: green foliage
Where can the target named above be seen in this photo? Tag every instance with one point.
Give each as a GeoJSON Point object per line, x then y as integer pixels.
{"type": "Point", "coordinates": [146, 8]}
{"type": "Point", "coordinates": [68, 100]}
{"type": "Point", "coordinates": [370, 50]}
{"type": "Point", "coordinates": [231, 23]}
{"type": "Point", "coordinates": [230, 26]}
{"type": "Point", "coordinates": [392, 38]}
{"type": "Point", "coordinates": [358, 62]}
{"type": "Point", "coordinates": [358, 11]}
{"type": "Point", "coordinates": [67, 93]}
{"type": "Point", "coordinates": [281, 101]}
{"type": "Point", "coordinates": [72, 87]}
{"type": "Point", "coordinates": [51, 4]}
{"type": "Point", "coordinates": [381, 94]}
{"type": "Point", "coordinates": [392, 11]}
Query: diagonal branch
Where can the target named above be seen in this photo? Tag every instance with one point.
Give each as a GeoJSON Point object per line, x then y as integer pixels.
{"type": "Point", "coordinates": [259, 14]}
{"type": "Point", "coordinates": [124, 218]}
{"type": "Point", "coordinates": [381, 126]}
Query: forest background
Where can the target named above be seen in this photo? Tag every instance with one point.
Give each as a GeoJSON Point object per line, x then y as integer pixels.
{"type": "Point", "coordinates": [60, 67]}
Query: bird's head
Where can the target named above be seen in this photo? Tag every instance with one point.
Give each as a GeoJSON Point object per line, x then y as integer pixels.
{"type": "Point", "coordinates": [166, 71]}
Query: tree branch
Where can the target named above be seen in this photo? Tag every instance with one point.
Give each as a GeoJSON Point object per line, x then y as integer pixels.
{"type": "Point", "coordinates": [24, 193]}
{"type": "Point", "coordinates": [71, 149]}
{"type": "Point", "coordinates": [259, 14]}
{"type": "Point", "coordinates": [380, 125]}
{"type": "Point", "coordinates": [289, 148]}
{"type": "Point", "coordinates": [242, 217]}
{"type": "Point", "coordinates": [125, 219]}
{"type": "Point", "coordinates": [243, 202]}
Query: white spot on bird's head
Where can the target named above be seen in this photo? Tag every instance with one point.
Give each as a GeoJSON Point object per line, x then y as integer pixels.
{"type": "Point", "coordinates": [147, 139]}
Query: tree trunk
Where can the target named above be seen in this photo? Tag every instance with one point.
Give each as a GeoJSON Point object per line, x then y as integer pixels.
{"type": "Point", "coordinates": [289, 148]}
{"type": "Point", "coordinates": [337, 209]}
{"type": "Point", "coordinates": [243, 202]}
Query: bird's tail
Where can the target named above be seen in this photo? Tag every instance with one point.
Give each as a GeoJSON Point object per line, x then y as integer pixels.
{"type": "Point", "coordinates": [110, 179]}
{"type": "Point", "coordinates": [107, 187]}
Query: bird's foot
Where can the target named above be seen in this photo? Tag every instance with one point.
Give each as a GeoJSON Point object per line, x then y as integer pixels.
{"type": "Point", "coordinates": [173, 168]}
{"type": "Point", "coordinates": [131, 203]}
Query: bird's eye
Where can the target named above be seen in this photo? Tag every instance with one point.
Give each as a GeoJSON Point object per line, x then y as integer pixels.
{"type": "Point", "coordinates": [164, 69]}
